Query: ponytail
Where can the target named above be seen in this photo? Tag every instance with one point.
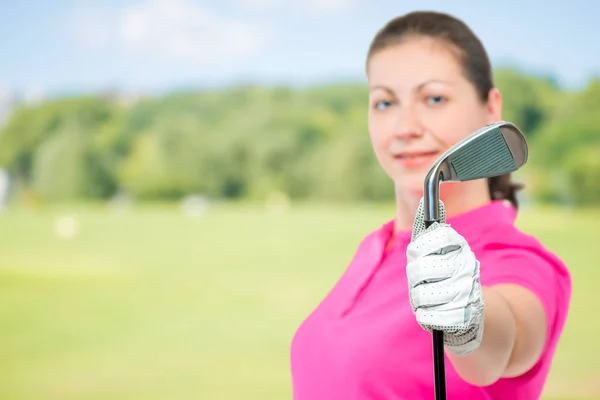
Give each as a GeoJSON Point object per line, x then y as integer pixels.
{"type": "Point", "coordinates": [503, 188]}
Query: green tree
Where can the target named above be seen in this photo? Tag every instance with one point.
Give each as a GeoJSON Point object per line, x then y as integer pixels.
{"type": "Point", "coordinates": [568, 148]}
{"type": "Point", "coordinates": [528, 100]}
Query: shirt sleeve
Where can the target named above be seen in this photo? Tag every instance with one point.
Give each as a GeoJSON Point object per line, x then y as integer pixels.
{"type": "Point", "coordinates": [535, 269]}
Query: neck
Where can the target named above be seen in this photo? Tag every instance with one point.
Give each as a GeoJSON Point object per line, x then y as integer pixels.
{"type": "Point", "coordinates": [458, 198]}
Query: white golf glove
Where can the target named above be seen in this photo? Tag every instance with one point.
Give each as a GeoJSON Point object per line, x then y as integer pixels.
{"type": "Point", "coordinates": [444, 286]}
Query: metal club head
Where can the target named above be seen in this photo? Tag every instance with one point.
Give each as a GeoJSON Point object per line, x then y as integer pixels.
{"type": "Point", "coordinates": [496, 149]}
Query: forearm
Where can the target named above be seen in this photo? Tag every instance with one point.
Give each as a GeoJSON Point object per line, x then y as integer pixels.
{"type": "Point", "coordinates": [488, 362]}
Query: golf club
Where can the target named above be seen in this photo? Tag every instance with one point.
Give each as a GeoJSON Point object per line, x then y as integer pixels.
{"type": "Point", "coordinates": [496, 149]}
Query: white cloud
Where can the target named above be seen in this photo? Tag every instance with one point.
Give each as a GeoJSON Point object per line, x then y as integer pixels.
{"type": "Point", "coordinates": [181, 30]}
{"type": "Point", "coordinates": [319, 7]}
{"type": "Point", "coordinates": [169, 31]}
{"type": "Point", "coordinates": [33, 94]}
{"type": "Point", "coordinates": [6, 94]}
{"type": "Point", "coordinates": [329, 6]}
{"type": "Point", "coordinates": [258, 4]}
{"type": "Point", "coordinates": [91, 27]}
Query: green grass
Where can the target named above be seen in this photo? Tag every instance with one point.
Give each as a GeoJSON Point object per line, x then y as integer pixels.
{"type": "Point", "coordinates": [155, 305]}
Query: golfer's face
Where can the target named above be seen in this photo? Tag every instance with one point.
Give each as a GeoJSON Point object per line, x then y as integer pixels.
{"type": "Point", "coordinates": [420, 104]}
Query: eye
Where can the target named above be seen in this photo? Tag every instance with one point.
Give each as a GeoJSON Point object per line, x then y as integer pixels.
{"type": "Point", "coordinates": [382, 105]}
{"type": "Point", "coordinates": [436, 100]}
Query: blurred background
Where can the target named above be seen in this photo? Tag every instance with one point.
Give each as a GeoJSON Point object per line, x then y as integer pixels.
{"type": "Point", "coordinates": [182, 181]}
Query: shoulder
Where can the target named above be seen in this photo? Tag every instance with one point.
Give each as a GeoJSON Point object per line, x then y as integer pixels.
{"type": "Point", "coordinates": [504, 250]}
{"type": "Point", "coordinates": [510, 245]}
{"type": "Point", "coordinates": [511, 256]}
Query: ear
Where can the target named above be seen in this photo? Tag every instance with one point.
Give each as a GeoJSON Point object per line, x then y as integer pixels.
{"type": "Point", "coordinates": [494, 105]}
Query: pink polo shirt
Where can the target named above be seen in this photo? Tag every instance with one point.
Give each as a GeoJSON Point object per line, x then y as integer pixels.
{"type": "Point", "coordinates": [363, 341]}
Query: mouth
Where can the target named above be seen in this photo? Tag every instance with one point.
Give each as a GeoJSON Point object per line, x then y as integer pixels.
{"type": "Point", "coordinates": [416, 154]}
{"type": "Point", "coordinates": [417, 158]}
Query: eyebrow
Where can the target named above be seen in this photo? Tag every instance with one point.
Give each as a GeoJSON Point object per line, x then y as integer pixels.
{"type": "Point", "coordinates": [419, 86]}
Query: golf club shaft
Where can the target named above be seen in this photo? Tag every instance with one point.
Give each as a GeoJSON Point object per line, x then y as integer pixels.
{"type": "Point", "coordinates": [439, 368]}
{"type": "Point", "coordinates": [438, 365]}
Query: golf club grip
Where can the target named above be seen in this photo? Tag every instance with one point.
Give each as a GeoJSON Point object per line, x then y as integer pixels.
{"type": "Point", "coordinates": [439, 369]}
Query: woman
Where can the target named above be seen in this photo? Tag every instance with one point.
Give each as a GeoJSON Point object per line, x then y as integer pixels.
{"type": "Point", "coordinates": [500, 297]}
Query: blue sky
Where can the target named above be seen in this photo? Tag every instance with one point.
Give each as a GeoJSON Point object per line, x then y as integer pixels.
{"type": "Point", "coordinates": [157, 45]}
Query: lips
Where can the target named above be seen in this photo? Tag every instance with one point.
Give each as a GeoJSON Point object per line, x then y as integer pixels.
{"type": "Point", "coordinates": [416, 154]}
{"type": "Point", "coordinates": [417, 158]}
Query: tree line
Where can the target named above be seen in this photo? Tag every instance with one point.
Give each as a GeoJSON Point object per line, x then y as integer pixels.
{"type": "Point", "coordinates": [248, 141]}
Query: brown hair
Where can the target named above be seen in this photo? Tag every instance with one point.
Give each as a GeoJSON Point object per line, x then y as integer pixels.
{"type": "Point", "coordinates": [471, 54]}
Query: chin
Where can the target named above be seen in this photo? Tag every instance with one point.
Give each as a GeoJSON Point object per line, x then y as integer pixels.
{"type": "Point", "coordinates": [413, 181]}
{"type": "Point", "coordinates": [412, 187]}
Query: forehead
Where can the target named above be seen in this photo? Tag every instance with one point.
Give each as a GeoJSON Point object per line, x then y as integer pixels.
{"type": "Point", "coordinates": [414, 61]}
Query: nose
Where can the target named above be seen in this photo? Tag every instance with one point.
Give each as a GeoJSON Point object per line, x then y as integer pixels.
{"type": "Point", "coordinates": [408, 123]}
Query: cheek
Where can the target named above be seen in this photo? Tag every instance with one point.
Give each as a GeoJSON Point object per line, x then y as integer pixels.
{"type": "Point", "coordinates": [456, 125]}
{"type": "Point", "coordinates": [453, 135]}
{"type": "Point", "coordinates": [380, 138]}
{"type": "Point", "coordinates": [379, 132]}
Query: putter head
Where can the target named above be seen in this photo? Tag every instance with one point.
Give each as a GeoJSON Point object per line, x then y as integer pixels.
{"type": "Point", "coordinates": [496, 149]}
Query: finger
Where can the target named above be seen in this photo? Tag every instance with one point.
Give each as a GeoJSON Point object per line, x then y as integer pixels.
{"type": "Point", "coordinates": [467, 267]}
{"type": "Point", "coordinates": [431, 269]}
{"type": "Point", "coordinates": [442, 238]}
{"type": "Point", "coordinates": [454, 293]}
{"type": "Point", "coordinates": [432, 294]}
{"type": "Point", "coordinates": [435, 267]}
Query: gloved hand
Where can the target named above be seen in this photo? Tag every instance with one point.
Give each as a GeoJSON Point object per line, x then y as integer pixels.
{"type": "Point", "coordinates": [444, 286]}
